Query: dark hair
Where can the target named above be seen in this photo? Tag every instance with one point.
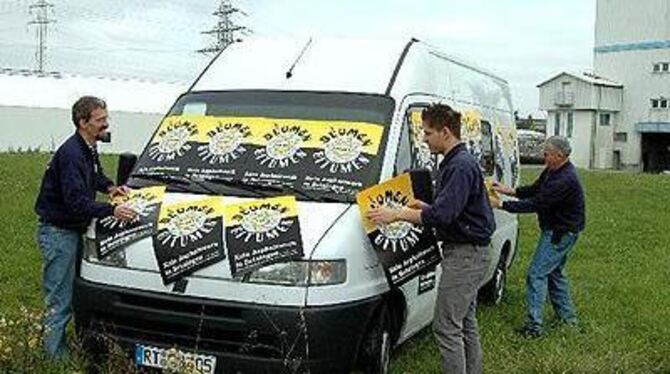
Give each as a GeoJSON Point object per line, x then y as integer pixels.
{"type": "Point", "coordinates": [83, 108]}
{"type": "Point", "coordinates": [439, 116]}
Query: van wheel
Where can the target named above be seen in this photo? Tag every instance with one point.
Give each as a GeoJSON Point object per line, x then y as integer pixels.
{"type": "Point", "coordinates": [492, 292]}
{"type": "Point", "coordinates": [376, 347]}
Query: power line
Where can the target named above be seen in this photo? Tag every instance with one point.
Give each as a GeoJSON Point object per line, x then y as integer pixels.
{"type": "Point", "coordinates": [225, 29]}
{"type": "Point", "coordinates": [40, 10]}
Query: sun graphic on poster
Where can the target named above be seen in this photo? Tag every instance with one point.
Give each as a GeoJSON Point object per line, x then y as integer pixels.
{"type": "Point", "coordinates": [283, 147]}
{"type": "Point", "coordinates": [172, 141]}
{"type": "Point", "coordinates": [342, 151]}
{"type": "Point", "coordinates": [397, 235]}
{"type": "Point", "coordinates": [225, 143]}
{"type": "Point", "coordinates": [261, 222]}
{"type": "Point", "coordinates": [185, 225]}
{"type": "Point", "coordinates": [140, 203]}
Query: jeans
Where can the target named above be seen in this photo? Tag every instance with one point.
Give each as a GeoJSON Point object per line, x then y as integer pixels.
{"type": "Point", "coordinates": [59, 251]}
{"type": "Point", "coordinates": [455, 323]}
{"type": "Point", "coordinates": [546, 271]}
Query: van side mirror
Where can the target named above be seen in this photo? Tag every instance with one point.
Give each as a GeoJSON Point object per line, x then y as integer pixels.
{"type": "Point", "coordinates": [422, 184]}
{"type": "Point", "coordinates": [126, 164]}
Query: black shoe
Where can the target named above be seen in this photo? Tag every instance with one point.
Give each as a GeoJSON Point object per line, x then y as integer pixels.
{"type": "Point", "coordinates": [529, 332]}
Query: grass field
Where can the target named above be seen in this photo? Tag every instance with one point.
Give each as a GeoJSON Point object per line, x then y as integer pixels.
{"type": "Point", "coordinates": [620, 271]}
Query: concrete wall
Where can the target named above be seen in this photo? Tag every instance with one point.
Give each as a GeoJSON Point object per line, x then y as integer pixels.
{"type": "Point", "coordinates": [46, 128]}
{"type": "Point", "coordinates": [631, 37]}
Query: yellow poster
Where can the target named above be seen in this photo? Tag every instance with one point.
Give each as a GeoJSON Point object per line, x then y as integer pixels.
{"type": "Point", "coordinates": [394, 193]}
{"type": "Point", "coordinates": [112, 233]}
{"type": "Point", "coordinates": [189, 238]}
{"type": "Point", "coordinates": [262, 232]}
{"type": "Point", "coordinates": [405, 250]}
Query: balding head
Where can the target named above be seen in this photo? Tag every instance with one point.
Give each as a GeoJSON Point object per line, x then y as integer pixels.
{"type": "Point", "coordinates": [559, 144]}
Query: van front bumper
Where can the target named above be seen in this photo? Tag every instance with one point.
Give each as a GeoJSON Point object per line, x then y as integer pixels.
{"type": "Point", "coordinates": [244, 337]}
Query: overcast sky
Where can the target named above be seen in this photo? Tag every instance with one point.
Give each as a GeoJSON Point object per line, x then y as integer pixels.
{"type": "Point", "coordinates": [524, 41]}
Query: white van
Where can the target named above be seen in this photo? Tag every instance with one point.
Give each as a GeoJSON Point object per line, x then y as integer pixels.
{"type": "Point", "coordinates": [333, 309]}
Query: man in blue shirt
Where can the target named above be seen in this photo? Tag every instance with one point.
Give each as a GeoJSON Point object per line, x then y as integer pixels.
{"type": "Point", "coordinates": [463, 221]}
{"type": "Point", "coordinates": [558, 199]}
{"type": "Point", "coordinates": [65, 205]}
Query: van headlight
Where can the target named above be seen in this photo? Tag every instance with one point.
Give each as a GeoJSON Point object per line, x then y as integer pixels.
{"type": "Point", "coordinates": [116, 258]}
{"type": "Point", "coordinates": [301, 273]}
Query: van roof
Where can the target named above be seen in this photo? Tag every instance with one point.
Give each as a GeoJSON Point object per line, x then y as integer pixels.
{"type": "Point", "coordinates": [339, 65]}
{"type": "Point", "coordinates": [388, 67]}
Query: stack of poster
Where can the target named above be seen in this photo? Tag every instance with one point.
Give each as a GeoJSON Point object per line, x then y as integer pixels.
{"type": "Point", "coordinates": [404, 249]}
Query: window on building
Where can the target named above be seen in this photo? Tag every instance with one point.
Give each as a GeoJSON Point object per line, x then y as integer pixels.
{"type": "Point", "coordinates": [570, 125]}
{"type": "Point", "coordinates": [663, 103]}
{"type": "Point", "coordinates": [621, 137]}
{"type": "Point", "coordinates": [654, 103]}
{"type": "Point", "coordinates": [557, 124]}
{"type": "Point", "coordinates": [662, 67]}
{"type": "Point", "coordinates": [604, 119]}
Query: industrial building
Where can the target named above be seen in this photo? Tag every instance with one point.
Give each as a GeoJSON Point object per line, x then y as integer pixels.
{"type": "Point", "coordinates": [619, 116]}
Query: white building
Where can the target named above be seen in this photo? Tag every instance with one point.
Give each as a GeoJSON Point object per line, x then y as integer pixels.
{"type": "Point", "coordinates": [584, 109]}
{"type": "Point", "coordinates": [632, 47]}
{"type": "Point", "coordinates": [35, 110]}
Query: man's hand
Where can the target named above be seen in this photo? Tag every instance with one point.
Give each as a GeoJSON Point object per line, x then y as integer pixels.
{"type": "Point", "coordinates": [495, 201]}
{"type": "Point", "coordinates": [124, 213]}
{"type": "Point", "coordinates": [381, 216]}
{"type": "Point", "coordinates": [115, 191]}
{"type": "Point", "coordinates": [417, 204]}
{"type": "Point", "coordinates": [501, 188]}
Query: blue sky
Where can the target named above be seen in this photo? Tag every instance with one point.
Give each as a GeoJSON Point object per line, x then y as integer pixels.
{"type": "Point", "coordinates": [524, 41]}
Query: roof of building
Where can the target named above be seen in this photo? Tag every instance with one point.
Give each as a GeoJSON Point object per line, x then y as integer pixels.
{"type": "Point", "coordinates": [26, 88]}
{"type": "Point", "coordinates": [586, 77]}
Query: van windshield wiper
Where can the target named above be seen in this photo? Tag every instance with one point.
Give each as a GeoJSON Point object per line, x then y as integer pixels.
{"type": "Point", "coordinates": [309, 196]}
{"type": "Point", "coordinates": [256, 189]}
{"type": "Point", "coordinates": [178, 180]}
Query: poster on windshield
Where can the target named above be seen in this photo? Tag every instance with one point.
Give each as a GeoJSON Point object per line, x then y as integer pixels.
{"type": "Point", "coordinates": [327, 157]}
{"type": "Point", "coordinates": [172, 147]}
{"type": "Point", "coordinates": [189, 237]}
{"type": "Point", "coordinates": [262, 232]}
{"type": "Point", "coordinates": [404, 249]}
{"type": "Point", "coordinates": [112, 233]}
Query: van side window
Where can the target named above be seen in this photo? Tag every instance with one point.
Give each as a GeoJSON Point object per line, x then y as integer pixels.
{"type": "Point", "coordinates": [421, 156]}
{"type": "Point", "coordinates": [487, 161]}
{"type": "Point", "coordinates": [403, 160]}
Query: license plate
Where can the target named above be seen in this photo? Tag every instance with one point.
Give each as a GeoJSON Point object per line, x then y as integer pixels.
{"type": "Point", "coordinates": [174, 359]}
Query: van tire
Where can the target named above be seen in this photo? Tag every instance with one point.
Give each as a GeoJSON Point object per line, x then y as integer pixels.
{"type": "Point", "coordinates": [377, 343]}
{"type": "Point", "coordinates": [492, 292]}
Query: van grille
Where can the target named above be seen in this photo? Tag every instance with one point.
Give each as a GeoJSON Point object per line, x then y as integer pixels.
{"type": "Point", "coordinates": [187, 325]}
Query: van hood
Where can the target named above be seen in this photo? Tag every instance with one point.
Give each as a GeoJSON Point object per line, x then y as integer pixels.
{"type": "Point", "coordinates": [315, 219]}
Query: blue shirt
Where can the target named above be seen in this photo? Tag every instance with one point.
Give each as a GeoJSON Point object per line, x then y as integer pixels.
{"type": "Point", "coordinates": [556, 196]}
{"type": "Point", "coordinates": [461, 212]}
{"type": "Point", "coordinates": [67, 193]}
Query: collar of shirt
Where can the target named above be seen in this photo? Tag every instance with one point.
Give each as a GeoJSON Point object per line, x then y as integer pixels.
{"type": "Point", "coordinates": [452, 152]}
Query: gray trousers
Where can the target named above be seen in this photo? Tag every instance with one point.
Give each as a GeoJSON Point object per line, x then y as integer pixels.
{"type": "Point", "coordinates": [455, 323]}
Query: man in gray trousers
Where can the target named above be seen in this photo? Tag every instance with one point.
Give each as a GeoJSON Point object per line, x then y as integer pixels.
{"type": "Point", "coordinates": [463, 221]}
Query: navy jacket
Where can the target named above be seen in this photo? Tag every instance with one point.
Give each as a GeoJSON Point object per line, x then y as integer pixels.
{"type": "Point", "coordinates": [461, 212]}
{"type": "Point", "coordinates": [556, 196]}
{"type": "Point", "coordinates": [67, 194]}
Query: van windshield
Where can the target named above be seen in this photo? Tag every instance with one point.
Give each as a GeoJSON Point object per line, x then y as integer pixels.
{"type": "Point", "coordinates": [316, 146]}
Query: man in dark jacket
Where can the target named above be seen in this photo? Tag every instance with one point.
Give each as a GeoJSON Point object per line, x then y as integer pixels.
{"type": "Point", "coordinates": [463, 221]}
{"type": "Point", "coordinates": [558, 199]}
{"type": "Point", "coordinates": [65, 205]}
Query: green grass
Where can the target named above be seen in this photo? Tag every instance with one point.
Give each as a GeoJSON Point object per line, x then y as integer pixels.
{"type": "Point", "coordinates": [619, 275]}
